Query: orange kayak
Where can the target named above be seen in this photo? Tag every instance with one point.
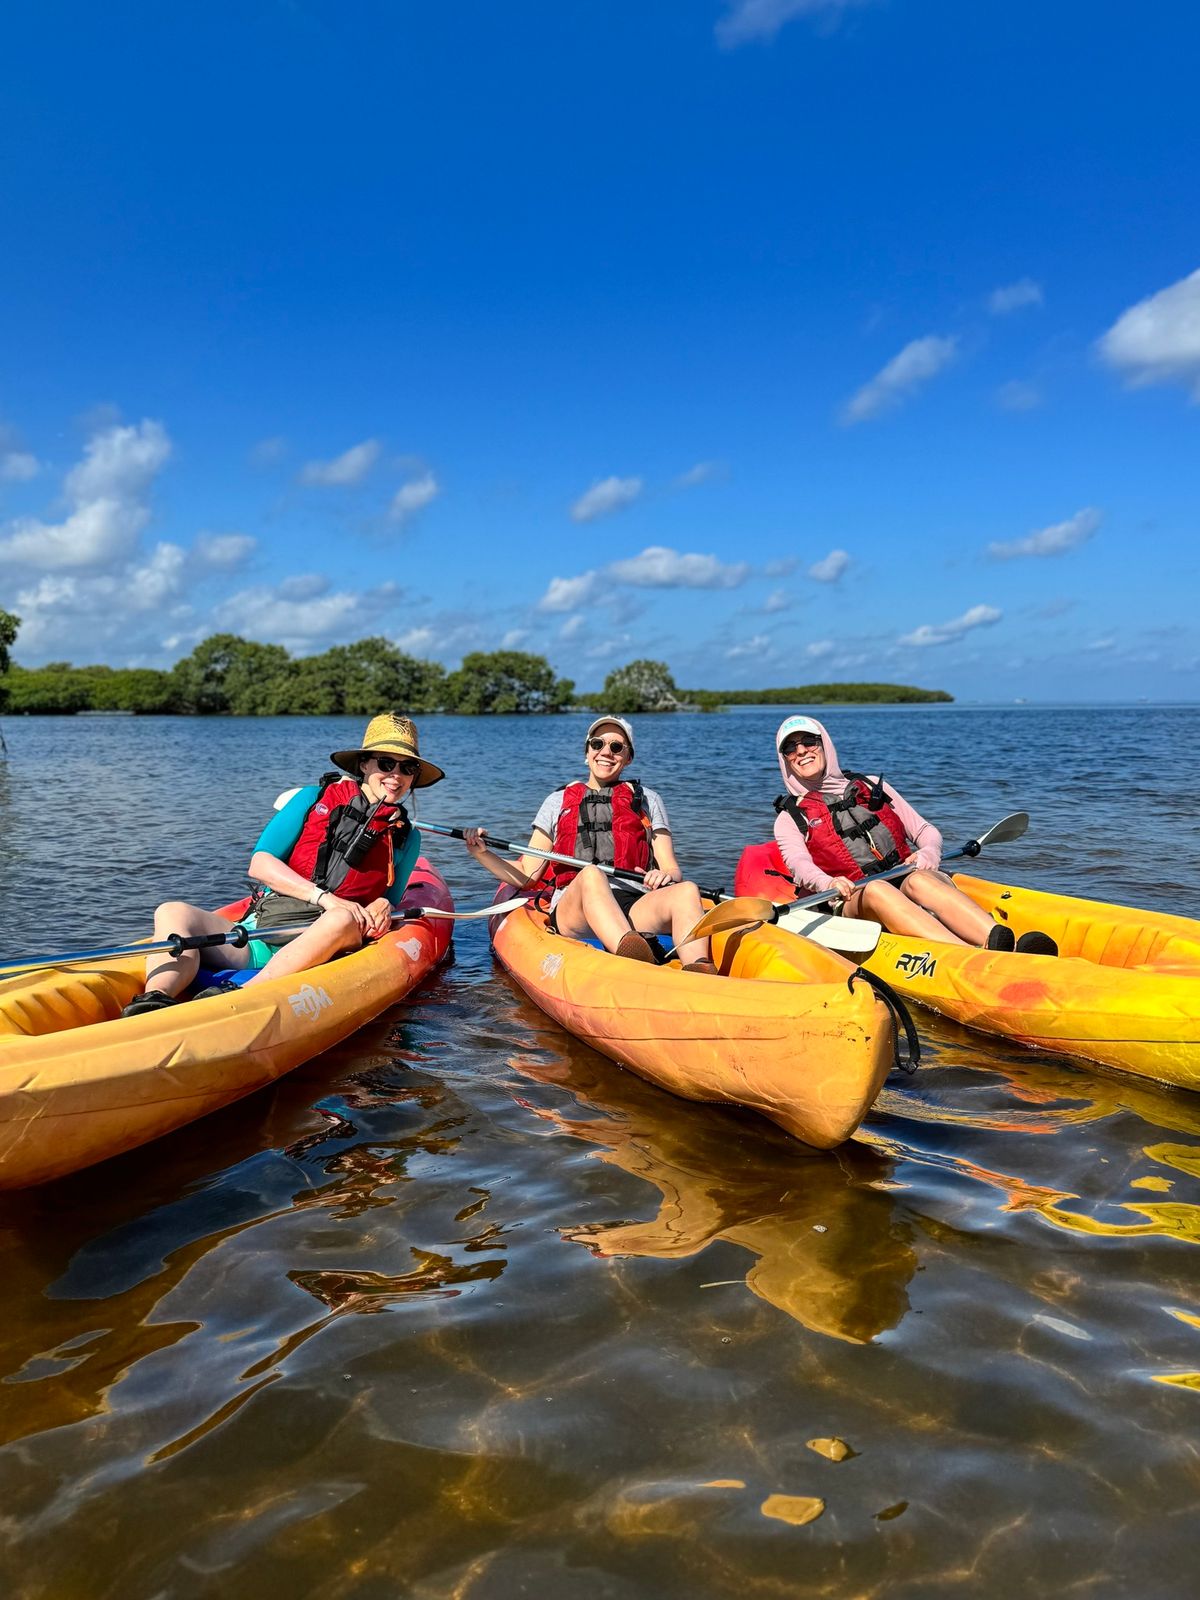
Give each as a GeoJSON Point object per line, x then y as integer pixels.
{"type": "Point", "coordinates": [80, 1083]}
{"type": "Point", "coordinates": [1124, 989]}
{"type": "Point", "coordinates": [783, 1031]}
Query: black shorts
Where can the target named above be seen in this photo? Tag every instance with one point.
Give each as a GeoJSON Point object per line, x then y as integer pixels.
{"type": "Point", "coordinates": [625, 897]}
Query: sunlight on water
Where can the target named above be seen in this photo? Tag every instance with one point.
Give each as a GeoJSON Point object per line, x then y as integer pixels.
{"type": "Point", "coordinates": [464, 1309]}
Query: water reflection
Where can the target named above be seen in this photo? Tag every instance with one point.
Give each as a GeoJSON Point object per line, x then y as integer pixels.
{"type": "Point", "coordinates": [828, 1249]}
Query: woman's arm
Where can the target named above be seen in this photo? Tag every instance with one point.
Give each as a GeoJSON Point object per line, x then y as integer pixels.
{"type": "Point", "coordinates": [275, 874]}
{"type": "Point", "coordinates": [666, 868]}
{"type": "Point", "coordinates": [804, 870]}
{"type": "Point", "coordinates": [522, 874]}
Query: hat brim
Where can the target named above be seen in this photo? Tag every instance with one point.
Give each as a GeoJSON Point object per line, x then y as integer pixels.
{"type": "Point", "coordinates": [348, 761]}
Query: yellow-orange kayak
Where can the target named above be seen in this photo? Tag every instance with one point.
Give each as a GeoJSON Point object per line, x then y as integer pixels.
{"type": "Point", "coordinates": [1124, 989]}
{"type": "Point", "coordinates": [782, 1031]}
{"type": "Point", "coordinates": [79, 1082]}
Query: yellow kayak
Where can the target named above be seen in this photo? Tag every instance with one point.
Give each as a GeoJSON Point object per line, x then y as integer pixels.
{"type": "Point", "coordinates": [79, 1082]}
{"type": "Point", "coordinates": [1124, 989]}
{"type": "Point", "coordinates": [782, 1031]}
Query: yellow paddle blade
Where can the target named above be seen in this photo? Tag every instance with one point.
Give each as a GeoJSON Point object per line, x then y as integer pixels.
{"type": "Point", "coordinates": [742, 912]}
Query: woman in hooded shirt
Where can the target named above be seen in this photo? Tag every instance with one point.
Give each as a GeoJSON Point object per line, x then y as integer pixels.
{"type": "Point", "coordinates": [834, 828]}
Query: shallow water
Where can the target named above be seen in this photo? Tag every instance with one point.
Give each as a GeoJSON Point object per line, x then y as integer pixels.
{"type": "Point", "coordinates": [463, 1309]}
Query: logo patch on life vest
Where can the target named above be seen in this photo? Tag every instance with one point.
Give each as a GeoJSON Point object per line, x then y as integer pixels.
{"type": "Point", "coordinates": [551, 965]}
{"type": "Point", "coordinates": [923, 965]}
{"type": "Point", "coordinates": [321, 810]}
{"type": "Point", "coordinates": [309, 1002]}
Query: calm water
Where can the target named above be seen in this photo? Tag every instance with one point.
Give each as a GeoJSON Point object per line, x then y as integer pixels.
{"type": "Point", "coordinates": [463, 1309]}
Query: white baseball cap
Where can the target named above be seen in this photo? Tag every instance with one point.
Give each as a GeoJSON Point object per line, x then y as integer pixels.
{"type": "Point", "coordinates": [615, 722]}
{"type": "Point", "coordinates": [791, 725]}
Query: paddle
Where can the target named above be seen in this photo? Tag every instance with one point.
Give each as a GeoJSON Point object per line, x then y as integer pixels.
{"type": "Point", "coordinates": [238, 936]}
{"type": "Point", "coordinates": [746, 911]}
{"type": "Point", "coordinates": [550, 855]}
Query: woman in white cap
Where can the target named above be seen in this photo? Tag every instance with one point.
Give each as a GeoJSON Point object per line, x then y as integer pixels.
{"type": "Point", "coordinates": [610, 820]}
{"type": "Point", "coordinates": [834, 828]}
{"type": "Point", "coordinates": [339, 855]}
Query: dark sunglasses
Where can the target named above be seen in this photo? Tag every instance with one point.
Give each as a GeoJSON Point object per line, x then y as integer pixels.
{"type": "Point", "coordinates": [410, 769]}
{"type": "Point", "coordinates": [617, 746]}
{"type": "Point", "coordinates": [806, 741]}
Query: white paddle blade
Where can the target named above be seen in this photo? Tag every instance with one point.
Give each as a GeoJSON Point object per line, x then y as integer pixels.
{"type": "Point", "coordinates": [1005, 831]}
{"type": "Point", "coordinates": [849, 936]}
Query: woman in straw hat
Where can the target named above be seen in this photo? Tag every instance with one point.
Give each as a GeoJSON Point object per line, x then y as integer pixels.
{"type": "Point", "coordinates": [339, 855]}
{"type": "Point", "coordinates": [610, 820]}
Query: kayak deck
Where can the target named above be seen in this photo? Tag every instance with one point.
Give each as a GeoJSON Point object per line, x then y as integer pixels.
{"type": "Point", "coordinates": [80, 1083]}
{"type": "Point", "coordinates": [782, 1032]}
{"type": "Point", "coordinates": [1124, 990]}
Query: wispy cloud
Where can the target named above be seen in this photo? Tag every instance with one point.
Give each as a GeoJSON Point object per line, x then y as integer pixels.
{"type": "Point", "coordinates": [1055, 540]}
{"type": "Point", "coordinates": [904, 374]}
{"type": "Point", "coordinates": [777, 600]}
{"type": "Point", "coordinates": [304, 610]}
{"type": "Point", "coordinates": [1158, 340]}
{"type": "Point", "coordinates": [106, 492]}
{"type": "Point", "coordinates": [1016, 395]}
{"type": "Point", "coordinates": [224, 552]}
{"type": "Point", "coordinates": [946, 632]}
{"type": "Point", "coordinates": [269, 452]}
{"type": "Point", "coordinates": [17, 466]}
{"type": "Point", "coordinates": [746, 20]}
{"type": "Point", "coordinates": [830, 568]}
{"type": "Point", "coordinates": [1015, 297]}
{"type": "Point", "coordinates": [349, 468]}
{"type": "Point", "coordinates": [702, 472]}
{"type": "Point", "coordinates": [411, 497]}
{"type": "Point", "coordinates": [610, 494]}
{"type": "Point", "coordinates": [819, 649]}
{"type": "Point", "coordinates": [759, 645]}
{"type": "Point", "coordinates": [657, 567]}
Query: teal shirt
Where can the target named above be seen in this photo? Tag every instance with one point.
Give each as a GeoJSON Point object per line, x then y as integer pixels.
{"type": "Point", "coordinates": [279, 837]}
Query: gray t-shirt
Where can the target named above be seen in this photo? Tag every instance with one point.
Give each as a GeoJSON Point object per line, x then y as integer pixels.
{"type": "Point", "coordinates": [551, 809]}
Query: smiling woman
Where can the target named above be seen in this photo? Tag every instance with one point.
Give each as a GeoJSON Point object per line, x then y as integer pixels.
{"type": "Point", "coordinates": [339, 855]}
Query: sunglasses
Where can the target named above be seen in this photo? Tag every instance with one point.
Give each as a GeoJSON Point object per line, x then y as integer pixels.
{"type": "Point", "coordinates": [410, 769]}
{"type": "Point", "coordinates": [617, 746]}
{"type": "Point", "coordinates": [799, 741]}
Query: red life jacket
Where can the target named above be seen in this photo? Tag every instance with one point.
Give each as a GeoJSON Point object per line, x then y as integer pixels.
{"type": "Point", "coordinates": [851, 837]}
{"type": "Point", "coordinates": [610, 826]}
{"type": "Point", "coordinates": [342, 820]}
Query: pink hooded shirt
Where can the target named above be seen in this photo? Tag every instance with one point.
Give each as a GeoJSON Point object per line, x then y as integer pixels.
{"type": "Point", "coordinates": [804, 870]}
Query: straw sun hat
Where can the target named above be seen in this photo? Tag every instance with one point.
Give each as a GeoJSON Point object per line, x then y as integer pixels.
{"type": "Point", "coordinates": [389, 735]}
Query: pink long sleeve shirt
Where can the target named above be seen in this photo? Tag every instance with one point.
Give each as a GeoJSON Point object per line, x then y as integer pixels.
{"type": "Point", "coordinates": [922, 835]}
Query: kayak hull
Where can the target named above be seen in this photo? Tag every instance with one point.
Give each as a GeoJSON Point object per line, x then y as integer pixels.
{"type": "Point", "coordinates": [1124, 990]}
{"type": "Point", "coordinates": [79, 1083]}
{"type": "Point", "coordinates": [781, 1033]}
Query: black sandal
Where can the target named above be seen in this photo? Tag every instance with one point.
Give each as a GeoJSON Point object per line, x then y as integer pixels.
{"type": "Point", "coordinates": [149, 1000]}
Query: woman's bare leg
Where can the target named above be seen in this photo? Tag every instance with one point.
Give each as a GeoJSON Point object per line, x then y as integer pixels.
{"type": "Point", "coordinates": [939, 896]}
{"type": "Point", "coordinates": [172, 974]}
{"type": "Point", "coordinates": [675, 910]}
{"type": "Point", "coordinates": [883, 902]}
{"type": "Point", "coordinates": [333, 931]}
{"type": "Point", "coordinates": [587, 910]}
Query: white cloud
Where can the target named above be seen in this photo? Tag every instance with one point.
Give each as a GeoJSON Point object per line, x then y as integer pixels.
{"type": "Point", "coordinates": [830, 568]}
{"type": "Point", "coordinates": [573, 626]}
{"type": "Point", "coordinates": [1016, 395]}
{"type": "Point", "coordinates": [514, 638]}
{"type": "Point", "coordinates": [350, 467]}
{"type": "Point", "coordinates": [410, 497]}
{"type": "Point", "coordinates": [303, 611]}
{"type": "Point", "coordinates": [1014, 297]}
{"type": "Point", "coordinates": [818, 649]}
{"type": "Point", "coordinates": [702, 472]}
{"type": "Point", "coordinates": [1101, 644]}
{"type": "Point", "coordinates": [18, 466]}
{"type": "Point", "coordinates": [658, 567]}
{"type": "Point", "coordinates": [610, 494]}
{"type": "Point", "coordinates": [416, 641]}
{"type": "Point", "coordinates": [1158, 340]}
{"type": "Point", "coordinates": [759, 645]}
{"type": "Point", "coordinates": [269, 452]}
{"type": "Point", "coordinates": [781, 567]}
{"type": "Point", "coordinates": [777, 600]}
{"type": "Point", "coordinates": [106, 492]}
{"type": "Point", "coordinates": [566, 594]}
{"type": "Point", "coordinates": [224, 551]}
{"type": "Point", "coordinates": [904, 374]}
{"type": "Point", "coordinates": [79, 615]}
{"type": "Point", "coordinates": [1055, 540]}
{"type": "Point", "coordinates": [745, 20]}
{"type": "Point", "coordinates": [946, 632]}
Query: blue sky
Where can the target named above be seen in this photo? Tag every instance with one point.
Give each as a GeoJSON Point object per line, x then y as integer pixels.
{"type": "Point", "coordinates": [783, 340]}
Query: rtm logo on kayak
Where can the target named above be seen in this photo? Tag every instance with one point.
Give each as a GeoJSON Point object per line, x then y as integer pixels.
{"type": "Point", "coordinates": [917, 966]}
{"type": "Point", "coordinates": [309, 1003]}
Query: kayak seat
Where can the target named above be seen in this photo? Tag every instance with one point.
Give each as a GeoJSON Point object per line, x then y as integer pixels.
{"type": "Point", "coordinates": [207, 977]}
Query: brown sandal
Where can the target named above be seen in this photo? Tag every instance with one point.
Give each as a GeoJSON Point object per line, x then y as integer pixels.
{"type": "Point", "coordinates": [636, 948]}
{"type": "Point", "coordinates": [703, 966]}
